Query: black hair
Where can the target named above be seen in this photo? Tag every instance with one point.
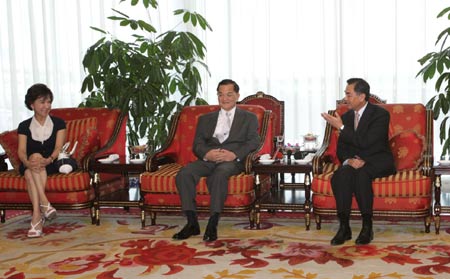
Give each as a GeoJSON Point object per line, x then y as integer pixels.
{"type": "Point", "coordinates": [229, 81]}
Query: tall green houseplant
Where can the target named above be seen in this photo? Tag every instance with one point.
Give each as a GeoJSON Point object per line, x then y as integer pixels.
{"type": "Point", "coordinates": [439, 63]}
{"type": "Point", "coordinates": [150, 77]}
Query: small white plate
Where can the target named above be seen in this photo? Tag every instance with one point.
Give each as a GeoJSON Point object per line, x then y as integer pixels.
{"type": "Point", "coordinates": [302, 161]}
{"type": "Point", "coordinates": [267, 161]}
{"type": "Point", "coordinates": [137, 161]}
{"type": "Point", "coordinates": [444, 162]}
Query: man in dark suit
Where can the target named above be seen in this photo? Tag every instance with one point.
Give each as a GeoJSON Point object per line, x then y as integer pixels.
{"type": "Point", "coordinates": [222, 141]}
{"type": "Point", "coordinates": [363, 149]}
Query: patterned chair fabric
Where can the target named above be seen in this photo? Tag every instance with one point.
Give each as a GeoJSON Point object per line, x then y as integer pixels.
{"type": "Point", "coordinates": [158, 188]}
{"type": "Point", "coordinates": [98, 131]}
{"type": "Point", "coordinates": [408, 193]}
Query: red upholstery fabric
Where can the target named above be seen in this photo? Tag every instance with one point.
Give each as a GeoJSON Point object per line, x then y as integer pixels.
{"type": "Point", "coordinates": [106, 123]}
{"type": "Point", "coordinates": [60, 198]}
{"type": "Point", "coordinates": [163, 199]}
{"type": "Point", "coordinates": [382, 204]}
{"type": "Point", "coordinates": [408, 148]}
{"type": "Point", "coordinates": [84, 131]}
{"type": "Point", "coordinates": [10, 143]}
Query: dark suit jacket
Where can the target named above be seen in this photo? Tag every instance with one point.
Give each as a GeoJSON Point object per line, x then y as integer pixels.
{"type": "Point", "coordinates": [370, 141]}
{"type": "Point", "coordinates": [242, 140]}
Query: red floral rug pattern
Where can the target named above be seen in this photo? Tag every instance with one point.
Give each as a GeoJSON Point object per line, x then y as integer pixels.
{"type": "Point", "coordinates": [118, 248]}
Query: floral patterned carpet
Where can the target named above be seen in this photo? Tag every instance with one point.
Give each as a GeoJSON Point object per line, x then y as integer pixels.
{"type": "Point", "coordinates": [118, 248]}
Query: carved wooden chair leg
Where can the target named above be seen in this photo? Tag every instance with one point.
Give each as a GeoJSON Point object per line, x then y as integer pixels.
{"type": "Point", "coordinates": [142, 218]}
{"type": "Point", "coordinates": [153, 217]}
{"type": "Point", "coordinates": [427, 224]}
{"type": "Point", "coordinates": [318, 222]}
{"type": "Point", "coordinates": [92, 213]}
{"type": "Point", "coordinates": [97, 216]}
{"type": "Point", "coordinates": [251, 216]}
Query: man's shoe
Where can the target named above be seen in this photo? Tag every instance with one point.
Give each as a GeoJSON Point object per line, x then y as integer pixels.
{"type": "Point", "coordinates": [188, 231]}
{"type": "Point", "coordinates": [344, 233]}
{"type": "Point", "coordinates": [210, 234]}
{"type": "Point", "coordinates": [365, 236]}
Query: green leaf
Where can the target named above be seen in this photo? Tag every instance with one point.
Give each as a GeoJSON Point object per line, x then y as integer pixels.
{"type": "Point", "coordinates": [119, 12]}
{"type": "Point", "coordinates": [148, 27]}
{"type": "Point", "coordinates": [117, 18]}
{"type": "Point", "coordinates": [186, 17]}
{"type": "Point", "coordinates": [443, 12]}
{"type": "Point", "coordinates": [98, 29]}
{"type": "Point", "coordinates": [194, 20]}
{"type": "Point", "coordinates": [446, 33]}
{"type": "Point", "coordinates": [203, 22]}
{"type": "Point", "coordinates": [177, 12]}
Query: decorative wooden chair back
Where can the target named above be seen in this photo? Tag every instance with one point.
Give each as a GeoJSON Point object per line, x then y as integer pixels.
{"type": "Point", "coordinates": [270, 103]}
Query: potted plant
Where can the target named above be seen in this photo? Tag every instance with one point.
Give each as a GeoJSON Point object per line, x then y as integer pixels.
{"type": "Point", "coordinates": [439, 63]}
{"type": "Point", "coordinates": [141, 77]}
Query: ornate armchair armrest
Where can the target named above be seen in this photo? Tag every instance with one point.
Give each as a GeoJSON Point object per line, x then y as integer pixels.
{"type": "Point", "coordinates": [320, 159]}
{"type": "Point", "coordinates": [3, 164]}
{"type": "Point", "coordinates": [153, 162]}
{"type": "Point", "coordinates": [250, 160]}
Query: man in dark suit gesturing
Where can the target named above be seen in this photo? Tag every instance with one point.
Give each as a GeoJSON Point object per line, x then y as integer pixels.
{"type": "Point", "coordinates": [222, 141]}
{"type": "Point", "coordinates": [363, 149]}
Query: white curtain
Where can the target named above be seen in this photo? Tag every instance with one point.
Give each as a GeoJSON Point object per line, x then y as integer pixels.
{"type": "Point", "coordinates": [299, 51]}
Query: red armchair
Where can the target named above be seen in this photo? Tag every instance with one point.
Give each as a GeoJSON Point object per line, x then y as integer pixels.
{"type": "Point", "coordinates": [98, 131]}
{"type": "Point", "coordinates": [158, 190]}
{"type": "Point", "coordinates": [406, 194]}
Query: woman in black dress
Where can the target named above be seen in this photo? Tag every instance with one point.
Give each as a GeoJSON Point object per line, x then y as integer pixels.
{"type": "Point", "coordinates": [41, 137]}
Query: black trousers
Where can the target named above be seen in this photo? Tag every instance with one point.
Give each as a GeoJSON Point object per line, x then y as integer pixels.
{"type": "Point", "coordinates": [346, 182]}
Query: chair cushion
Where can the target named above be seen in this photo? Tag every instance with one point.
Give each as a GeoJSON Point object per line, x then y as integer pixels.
{"type": "Point", "coordinates": [163, 181]}
{"type": "Point", "coordinates": [74, 181]}
{"type": "Point", "coordinates": [408, 148]}
{"type": "Point", "coordinates": [10, 143]}
{"type": "Point", "coordinates": [410, 183]}
{"type": "Point", "coordinates": [85, 132]}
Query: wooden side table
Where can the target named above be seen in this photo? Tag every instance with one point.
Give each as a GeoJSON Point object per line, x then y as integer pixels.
{"type": "Point", "coordinates": [439, 170]}
{"type": "Point", "coordinates": [123, 197]}
{"type": "Point", "coordinates": [285, 197]}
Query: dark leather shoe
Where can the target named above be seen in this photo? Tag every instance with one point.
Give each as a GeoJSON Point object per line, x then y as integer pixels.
{"type": "Point", "coordinates": [365, 236]}
{"type": "Point", "coordinates": [188, 231]}
{"type": "Point", "coordinates": [210, 234]}
{"type": "Point", "coordinates": [344, 233]}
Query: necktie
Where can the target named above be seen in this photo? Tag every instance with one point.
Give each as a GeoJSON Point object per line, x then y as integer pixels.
{"type": "Point", "coordinates": [228, 121]}
{"type": "Point", "coordinates": [225, 129]}
{"type": "Point", "coordinates": [356, 119]}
